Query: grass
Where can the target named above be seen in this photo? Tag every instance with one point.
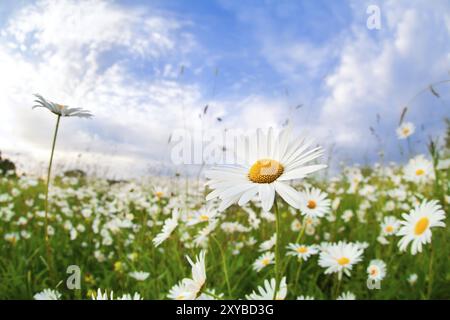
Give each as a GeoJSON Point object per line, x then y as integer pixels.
{"type": "Point", "coordinates": [116, 223]}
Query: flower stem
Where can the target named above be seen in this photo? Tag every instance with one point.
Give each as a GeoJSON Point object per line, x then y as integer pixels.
{"type": "Point", "coordinates": [277, 249]}
{"type": "Point", "coordinates": [49, 173]}
{"type": "Point", "coordinates": [224, 264]}
{"type": "Point", "coordinates": [430, 274]}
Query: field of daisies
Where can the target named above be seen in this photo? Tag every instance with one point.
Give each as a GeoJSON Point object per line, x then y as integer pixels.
{"type": "Point", "coordinates": [270, 227]}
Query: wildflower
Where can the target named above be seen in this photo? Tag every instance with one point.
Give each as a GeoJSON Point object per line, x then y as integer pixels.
{"type": "Point", "coordinates": [271, 164]}
{"type": "Point", "coordinates": [47, 294]}
{"type": "Point", "coordinates": [301, 251]}
{"type": "Point", "coordinates": [139, 275]}
{"type": "Point", "coordinates": [267, 292]}
{"type": "Point", "coordinates": [59, 109]}
{"type": "Point", "coordinates": [405, 130]}
{"type": "Point", "coordinates": [340, 258]}
{"type": "Point", "coordinates": [268, 245]}
{"type": "Point", "coordinates": [263, 261]}
{"type": "Point", "coordinates": [102, 295]}
{"type": "Point", "coordinates": [412, 278]}
{"type": "Point", "coordinates": [376, 270]}
{"type": "Point", "coordinates": [416, 226]}
{"type": "Point", "coordinates": [347, 296]}
{"type": "Point", "coordinates": [390, 226]}
{"type": "Point", "coordinates": [169, 226]}
{"type": "Point", "coordinates": [190, 288]}
{"type": "Point", "coordinates": [419, 170]}
{"type": "Point", "coordinates": [314, 203]}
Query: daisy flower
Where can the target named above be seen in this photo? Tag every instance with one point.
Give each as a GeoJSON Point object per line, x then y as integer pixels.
{"type": "Point", "coordinates": [102, 295]}
{"type": "Point", "coordinates": [267, 292]}
{"type": "Point", "coordinates": [405, 130]}
{"type": "Point", "coordinates": [412, 278]}
{"type": "Point", "coordinates": [390, 225]}
{"type": "Point", "coordinates": [268, 164]}
{"type": "Point", "coordinates": [340, 258]}
{"type": "Point", "coordinates": [419, 170]}
{"type": "Point", "coordinates": [263, 261]}
{"type": "Point", "coordinates": [416, 227]}
{"type": "Point", "coordinates": [376, 270]}
{"type": "Point", "coordinates": [268, 244]}
{"type": "Point", "coordinates": [347, 296]}
{"type": "Point", "coordinates": [179, 292]}
{"type": "Point", "coordinates": [127, 296]}
{"type": "Point", "coordinates": [59, 109]}
{"type": "Point", "coordinates": [203, 215]}
{"type": "Point", "coordinates": [301, 251]}
{"type": "Point", "coordinates": [169, 226]}
{"type": "Point", "coordinates": [47, 294]}
{"type": "Point", "coordinates": [314, 203]}
{"type": "Point", "coordinates": [139, 275]}
{"type": "Point", "coordinates": [190, 288]}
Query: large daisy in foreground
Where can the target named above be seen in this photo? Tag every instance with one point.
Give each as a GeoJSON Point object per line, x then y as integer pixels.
{"type": "Point", "coordinates": [268, 163]}
{"type": "Point", "coordinates": [416, 228]}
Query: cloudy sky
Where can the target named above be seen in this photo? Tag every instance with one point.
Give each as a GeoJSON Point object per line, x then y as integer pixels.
{"type": "Point", "coordinates": [255, 64]}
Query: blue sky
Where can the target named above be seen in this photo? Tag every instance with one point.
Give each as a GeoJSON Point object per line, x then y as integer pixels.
{"type": "Point", "coordinates": [252, 62]}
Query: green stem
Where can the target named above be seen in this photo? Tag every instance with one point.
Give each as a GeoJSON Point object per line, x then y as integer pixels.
{"type": "Point", "coordinates": [298, 273]}
{"type": "Point", "coordinates": [277, 249]}
{"type": "Point", "coordinates": [49, 173]}
{"type": "Point", "coordinates": [430, 274]}
{"type": "Point", "coordinates": [224, 265]}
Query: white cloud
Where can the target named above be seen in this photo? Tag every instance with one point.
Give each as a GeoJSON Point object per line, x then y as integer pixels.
{"type": "Point", "coordinates": [82, 54]}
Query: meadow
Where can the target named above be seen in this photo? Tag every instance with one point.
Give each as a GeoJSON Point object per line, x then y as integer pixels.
{"type": "Point", "coordinates": [130, 239]}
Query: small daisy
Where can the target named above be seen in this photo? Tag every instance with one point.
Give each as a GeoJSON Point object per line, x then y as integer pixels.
{"type": "Point", "coordinates": [203, 215]}
{"type": "Point", "coordinates": [190, 288]}
{"type": "Point", "coordinates": [314, 203]}
{"type": "Point", "coordinates": [268, 164]}
{"type": "Point", "coordinates": [263, 261]}
{"type": "Point", "coordinates": [412, 279]}
{"type": "Point", "coordinates": [267, 292]}
{"type": "Point", "coordinates": [376, 270]}
{"type": "Point", "coordinates": [59, 109]}
{"type": "Point", "coordinates": [102, 296]}
{"type": "Point", "coordinates": [47, 294]}
{"type": "Point", "coordinates": [405, 130]}
{"type": "Point", "coordinates": [301, 251]}
{"type": "Point", "coordinates": [169, 226]}
{"type": "Point", "coordinates": [268, 244]}
{"type": "Point", "coordinates": [419, 170]}
{"type": "Point", "coordinates": [139, 275]}
{"type": "Point", "coordinates": [347, 296]}
{"type": "Point", "coordinates": [416, 227]}
{"type": "Point", "coordinates": [127, 296]}
{"type": "Point", "coordinates": [390, 226]}
{"type": "Point", "coordinates": [340, 258]}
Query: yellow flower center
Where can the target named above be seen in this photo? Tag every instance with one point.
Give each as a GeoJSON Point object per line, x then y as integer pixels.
{"type": "Point", "coordinates": [311, 204]}
{"type": "Point", "coordinates": [389, 229]}
{"type": "Point", "coordinates": [265, 171]}
{"type": "Point", "coordinates": [405, 131]}
{"type": "Point", "coordinates": [374, 271]}
{"type": "Point", "coordinates": [159, 194]}
{"type": "Point", "coordinates": [302, 249]}
{"type": "Point", "coordinates": [265, 261]}
{"type": "Point", "coordinates": [180, 297]}
{"type": "Point", "coordinates": [421, 226]}
{"type": "Point", "coordinates": [204, 217]}
{"type": "Point", "coordinates": [420, 172]}
{"type": "Point", "coordinates": [343, 261]}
